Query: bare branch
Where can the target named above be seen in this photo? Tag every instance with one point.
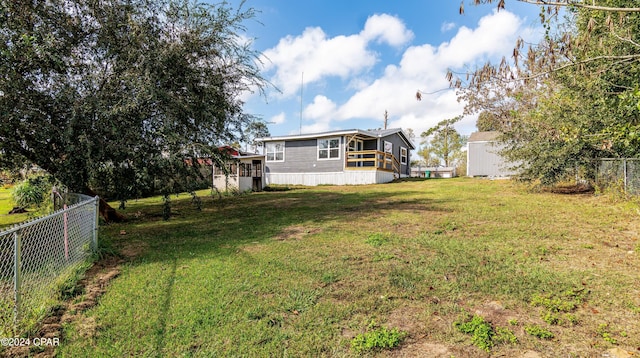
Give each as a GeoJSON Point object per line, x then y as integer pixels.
{"type": "Point", "coordinates": [559, 3]}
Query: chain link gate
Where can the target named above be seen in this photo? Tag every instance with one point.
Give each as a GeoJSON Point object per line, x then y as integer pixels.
{"type": "Point", "coordinates": [37, 256]}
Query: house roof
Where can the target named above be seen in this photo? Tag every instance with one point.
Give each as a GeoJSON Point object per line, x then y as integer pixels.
{"type": "Point", "coordinates": [489, 136]}
{"type": "Point", "coordinates": [372, 133]}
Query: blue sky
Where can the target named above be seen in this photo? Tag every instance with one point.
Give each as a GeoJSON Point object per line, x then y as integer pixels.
{"type": "Point", "coordinates": [354, 59]}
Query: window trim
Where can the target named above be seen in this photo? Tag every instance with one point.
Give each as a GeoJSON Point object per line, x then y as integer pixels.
{"type": "Point", "coordinates": [274, 144]}
{"type": "Point", "coordinates": [328, 149]}
{"type": "Point", "coordinates": [404, 155]}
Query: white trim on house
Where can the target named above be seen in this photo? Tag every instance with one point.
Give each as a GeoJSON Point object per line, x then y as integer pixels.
{"type": "Point", "coordinates": [348, 177]}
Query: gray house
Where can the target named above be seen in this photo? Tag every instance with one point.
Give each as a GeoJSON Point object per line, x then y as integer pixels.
{"type": "Point", "coordinates": [483, 158]}
{"type": "Point", "coordinates": [344, 157]}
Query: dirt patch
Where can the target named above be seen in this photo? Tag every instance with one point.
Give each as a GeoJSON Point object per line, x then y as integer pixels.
{"type": "Point", "coordinates": [295, 232]}
{"type": "Point", "coordinates": [94, 285]}
{"type": "Point", "coordinates": [572, 189]}
{"type": "Point", "coordinates": [407, 319]}
{"type": "Point", "coordinates": [495, 313]}
{"type": "Point", "coordinates": [423, 349]}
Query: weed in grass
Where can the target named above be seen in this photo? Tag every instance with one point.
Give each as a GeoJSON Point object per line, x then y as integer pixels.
{"type": "Point", "coordinates": [558, 308]}
{"type": "Point", "coordinates": [604, 332]}
{"type": "Point", "coordinates": [377, 338]}
{"type": "Point", "coordinates": [377, 240]}
{"type": "Point", "coordinates": [505, 336]}
{"type": "Point", "coordinates": [483, 334]}
{"type": "Point", "coordinates": [480, 330]}
{"type": "Point", "coordinates": [513, 322]}
{"type": "Point", "coordinates": [538, 331]}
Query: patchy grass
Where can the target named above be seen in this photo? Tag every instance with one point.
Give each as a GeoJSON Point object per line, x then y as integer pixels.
{"type": "Point", "coordinates": [303, 272]}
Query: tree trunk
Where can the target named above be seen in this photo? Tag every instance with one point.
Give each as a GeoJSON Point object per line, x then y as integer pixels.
{"type": "Point", "coordinates": [108, 213]}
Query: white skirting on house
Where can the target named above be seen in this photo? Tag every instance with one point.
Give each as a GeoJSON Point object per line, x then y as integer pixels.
{"type": "Point", "coordinates": [348, 177]}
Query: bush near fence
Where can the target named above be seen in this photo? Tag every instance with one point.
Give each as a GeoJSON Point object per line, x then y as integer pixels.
{"type": "Point", "coordinates": [38, 256]}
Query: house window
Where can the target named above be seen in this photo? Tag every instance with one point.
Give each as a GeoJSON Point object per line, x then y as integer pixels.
{"type": "Point", "coordinates": [274, 151]}
{"type": "Point", "coordinates": [403, 155]}
{"type": "Point", "coordinates": [329, 148]}
{"type": "Point", "coordinates": [388, 147]}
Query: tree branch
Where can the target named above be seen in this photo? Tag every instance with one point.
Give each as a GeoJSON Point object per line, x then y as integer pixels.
{"type": "Point", "coordinates": [581, 5]}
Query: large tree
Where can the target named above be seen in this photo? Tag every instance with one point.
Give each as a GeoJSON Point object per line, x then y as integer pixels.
{"type": "Point", "coordinates": [443, 142]}
{"type": "Point", "coordinates": [122, 93]}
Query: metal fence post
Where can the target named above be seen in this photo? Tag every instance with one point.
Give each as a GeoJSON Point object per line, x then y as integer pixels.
{"type": "Point", "coordinates": [17, 268]}
{"type": "Point", "coordinates": [624, 168]}
{"type": "Point", "coordinates": [94, 241]}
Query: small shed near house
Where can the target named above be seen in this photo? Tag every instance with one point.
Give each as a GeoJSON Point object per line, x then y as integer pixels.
{"type": "Point", "coordinates": [483, 156]}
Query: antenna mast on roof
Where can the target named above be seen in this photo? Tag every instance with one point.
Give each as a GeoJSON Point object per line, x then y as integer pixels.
{"type": "Point", "coordinates": [386, 117]}
{"type": "Point", "coordinates": [301, 88]}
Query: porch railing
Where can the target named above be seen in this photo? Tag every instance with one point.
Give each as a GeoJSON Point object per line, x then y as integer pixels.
{"type": "Point", "coordinates": [372, 159]}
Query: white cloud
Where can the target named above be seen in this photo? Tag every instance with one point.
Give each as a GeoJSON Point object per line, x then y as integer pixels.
{"type": "Point", "coordinates": [278, 118]}
{"type": "Point", "coordinates": [321, 108]}
{"type": "Point", "coordinates": [424, 67]}
{"type": "Point", "coordinates": [495, 36]}
{"type": "Point", "coordinates": [320, 113]}
{"type": "Point", "coordinates": [386, 29]}
{"type": "Point", "coordinates": [447, 26]}
{"type": "Point", "coordinates": [319, 57]}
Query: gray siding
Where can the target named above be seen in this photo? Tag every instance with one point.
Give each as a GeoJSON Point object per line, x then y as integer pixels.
{"type": "Point", "coordinates": [397, 143]}
{"type": "Point", "coordinates": [301, 156]}
{"type": "Point", "coordinates": [484, 160]}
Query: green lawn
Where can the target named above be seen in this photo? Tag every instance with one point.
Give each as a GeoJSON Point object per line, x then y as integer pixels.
{"type": "Point", "coordinates": [302, 272]}
{"type": "Point", "coordinates": [6, 204]}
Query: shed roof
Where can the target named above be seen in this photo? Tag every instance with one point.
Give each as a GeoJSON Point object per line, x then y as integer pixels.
{"type": "Point", "coordinates": [489, 136]}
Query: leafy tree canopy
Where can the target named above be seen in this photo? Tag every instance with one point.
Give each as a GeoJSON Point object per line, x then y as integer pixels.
{"type": "Point", "coordinates": [442, 143]}
{"type": "Point", "coordinates": [122, 94]}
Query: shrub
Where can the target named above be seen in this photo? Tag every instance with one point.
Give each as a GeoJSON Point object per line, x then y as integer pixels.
{"type": "Point", "coordinates": [32, 192]}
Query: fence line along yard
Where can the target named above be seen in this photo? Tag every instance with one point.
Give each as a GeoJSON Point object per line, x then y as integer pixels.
{"type": "Point", "coordinates": [37, 257]}
{"type": "Point", "coordinates": [624, 172]}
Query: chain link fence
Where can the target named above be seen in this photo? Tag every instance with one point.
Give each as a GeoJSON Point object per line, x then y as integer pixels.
{"type": "Point", "coordinates": [37, 257]}
{"type": "Point", "coordinates": [623, 173]}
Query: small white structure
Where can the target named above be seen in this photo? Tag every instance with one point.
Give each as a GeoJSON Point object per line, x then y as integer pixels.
{"type": "Point", "coordinates": [483, 158]}
{"type": "Point", "coordinates": [244, 172]}
{"type": "Point", "coordinates": [433, 172]}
